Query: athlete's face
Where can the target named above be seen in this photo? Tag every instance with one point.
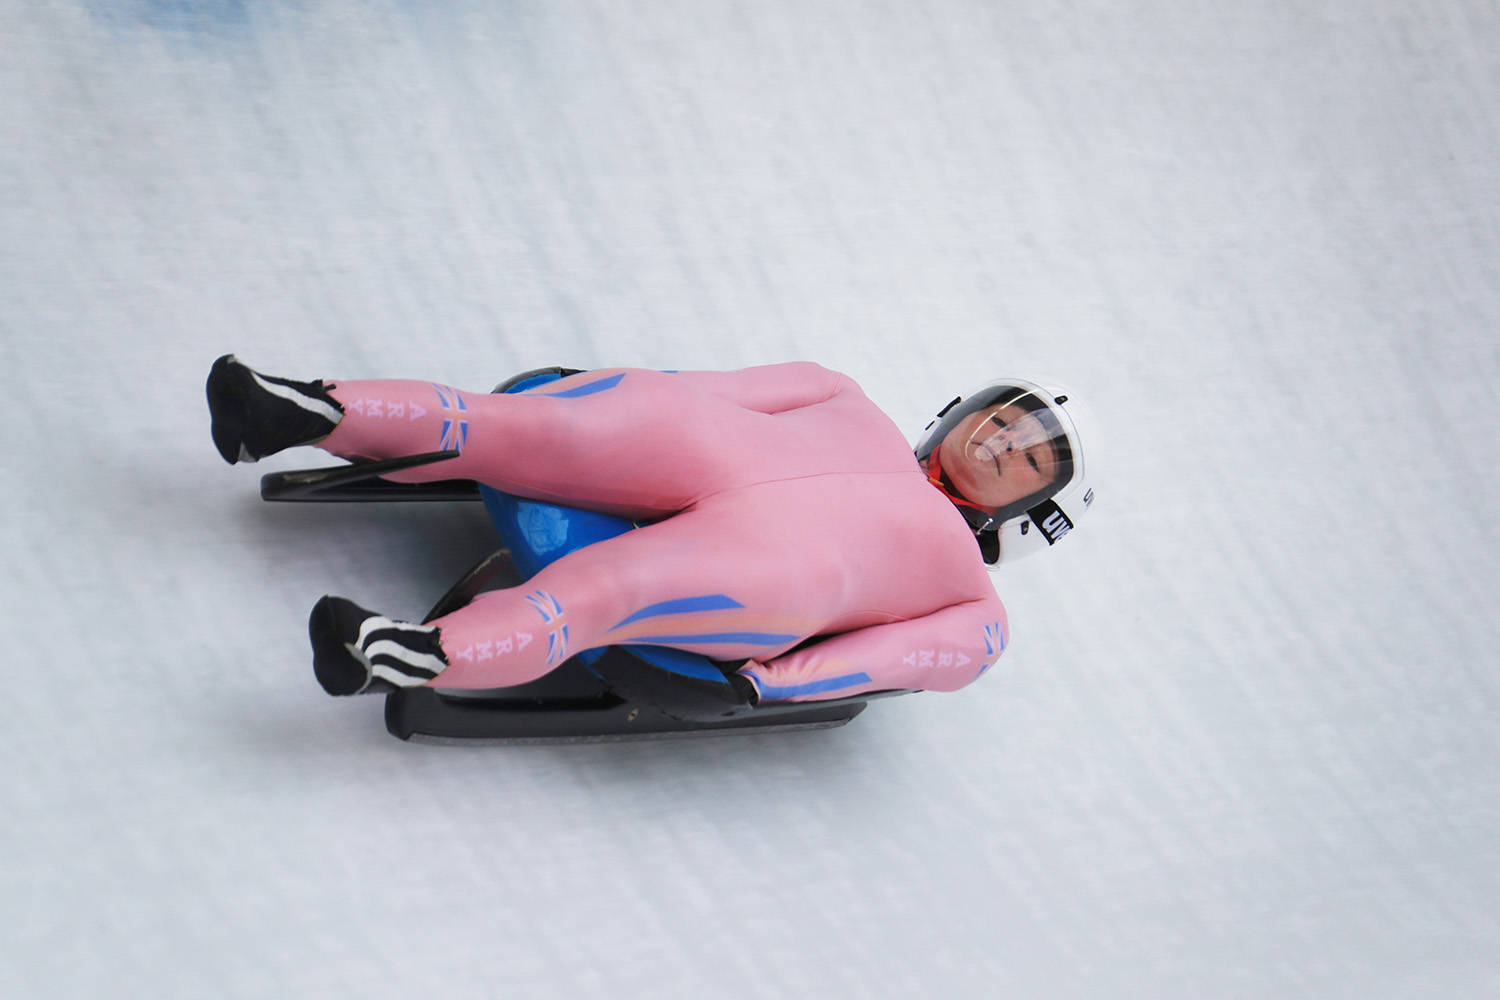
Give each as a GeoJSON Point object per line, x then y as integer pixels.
{"type": "Point", "coordinates": [998, 455]}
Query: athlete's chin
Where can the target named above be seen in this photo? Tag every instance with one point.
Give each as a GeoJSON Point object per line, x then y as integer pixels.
{"type": "Point", "coordinates": [969, 489]}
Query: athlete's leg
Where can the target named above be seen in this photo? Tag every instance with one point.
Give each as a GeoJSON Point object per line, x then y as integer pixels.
{"type": "Point", "coordinates": [627, 441]}
{"type": "Point", "coordinates": [689, 582]}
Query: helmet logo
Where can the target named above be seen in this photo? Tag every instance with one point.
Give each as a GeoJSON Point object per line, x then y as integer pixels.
{"type": "Point", "coordinates": [1050, 518]}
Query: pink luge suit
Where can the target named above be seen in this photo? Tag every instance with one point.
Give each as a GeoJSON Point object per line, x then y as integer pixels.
{"type": "Point", "coordinates": [790, 525]}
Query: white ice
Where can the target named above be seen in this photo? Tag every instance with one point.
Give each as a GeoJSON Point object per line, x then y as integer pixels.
{"type": "Point", "coordinates": [1247, 740]}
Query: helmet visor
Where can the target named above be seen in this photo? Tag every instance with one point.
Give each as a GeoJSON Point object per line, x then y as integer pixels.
{"type": "Point", "coordinates": [999, 452]}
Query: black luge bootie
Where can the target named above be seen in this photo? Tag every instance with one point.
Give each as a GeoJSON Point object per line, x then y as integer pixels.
{"type": "Point", "coordinates": [356, 651]}
{"type": "Point", "coordinates": [256, 415]}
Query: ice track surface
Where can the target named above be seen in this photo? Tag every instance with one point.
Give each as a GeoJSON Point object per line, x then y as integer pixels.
{"type": "Point", "coordinates": [1245, 742]}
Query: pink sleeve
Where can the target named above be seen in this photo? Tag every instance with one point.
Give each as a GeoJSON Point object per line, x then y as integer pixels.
{"type": "Point", "coordinates": [942, 651]}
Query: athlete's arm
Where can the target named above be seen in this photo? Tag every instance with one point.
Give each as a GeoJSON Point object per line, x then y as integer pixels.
{"type": "Point", "coordinates": [942, 651]}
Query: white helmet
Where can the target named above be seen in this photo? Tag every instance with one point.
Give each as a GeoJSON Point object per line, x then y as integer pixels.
{"type": "Point", "coordinates": [1012, 435]}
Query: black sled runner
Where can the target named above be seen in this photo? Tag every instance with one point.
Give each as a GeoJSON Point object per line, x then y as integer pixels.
{"type": "Point", "coordinates": [600, 695]}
